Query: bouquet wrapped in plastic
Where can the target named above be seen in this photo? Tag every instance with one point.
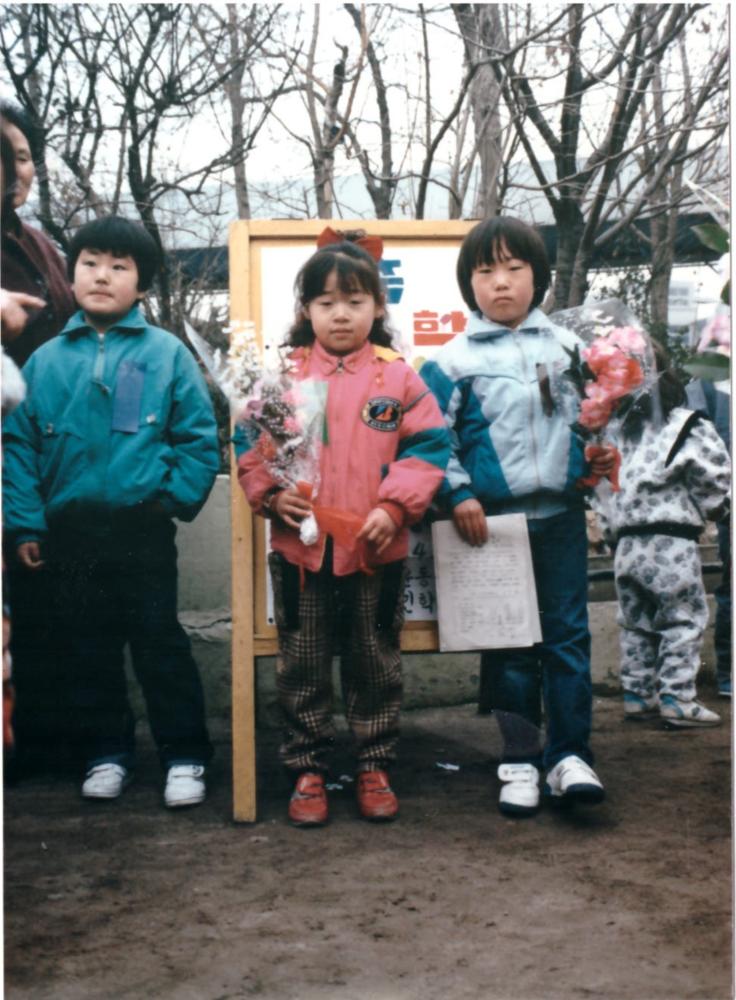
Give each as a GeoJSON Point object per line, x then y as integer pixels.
{"type": "Point", "coordinates": [610, 375]}
{"type": "Point", "coordinates": [281, 417]}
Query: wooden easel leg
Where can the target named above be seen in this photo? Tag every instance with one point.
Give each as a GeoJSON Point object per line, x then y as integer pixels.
{"type": "Point", "coordinates": [243, 661]}
{"type": "Point", "coordinates": [243, 576]}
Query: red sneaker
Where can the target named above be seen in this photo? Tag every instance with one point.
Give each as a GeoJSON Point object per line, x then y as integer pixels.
{"type": "Point", "coordinates": [376, 801]}
{"type": "Point", "coordinates": [308, 804]}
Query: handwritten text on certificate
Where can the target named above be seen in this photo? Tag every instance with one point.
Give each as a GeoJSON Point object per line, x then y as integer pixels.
{"type": "Point", "coordinates": [486, 595]}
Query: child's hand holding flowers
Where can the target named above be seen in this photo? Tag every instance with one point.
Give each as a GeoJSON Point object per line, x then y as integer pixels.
{"type": "Point", "coordinates": [291, 506]}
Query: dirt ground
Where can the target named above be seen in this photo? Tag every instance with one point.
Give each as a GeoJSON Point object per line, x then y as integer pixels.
{"type": "Point", "coordinates": [631, 899]}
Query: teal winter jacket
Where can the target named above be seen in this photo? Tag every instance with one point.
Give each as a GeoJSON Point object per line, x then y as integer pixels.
{"type": "Point", "coordinates": [110, 422]}
{"type": "Point", "coordinates": [506, 451]}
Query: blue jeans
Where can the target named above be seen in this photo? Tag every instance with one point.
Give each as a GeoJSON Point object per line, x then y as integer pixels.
{"type": "Point", "coordinates": [557, 670]}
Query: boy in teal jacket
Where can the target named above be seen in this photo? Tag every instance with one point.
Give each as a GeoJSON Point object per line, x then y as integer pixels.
{"type": "Point", "coordinates": [116, 437]}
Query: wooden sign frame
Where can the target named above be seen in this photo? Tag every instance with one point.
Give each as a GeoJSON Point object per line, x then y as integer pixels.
{"type": "Point", "coordinates": [252, 636]}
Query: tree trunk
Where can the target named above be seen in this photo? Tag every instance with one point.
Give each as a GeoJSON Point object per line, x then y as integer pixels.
{"type": "Point", "coordinates": [570, 224]}
{"type": "Point", "coordinates": [233, 89]}
{"type": "Point", "coordinates": [42, 175]}
{"type": "Point", "coordinates": [483, 33]}
{"type": "Point", "coordinates": [579, 283]}
{"type": "Point", "coordinates": [381, 190]}
{"type": "Point", "coordinates": [663, 230]}
{"type": "Point", "coordinates": [141, 194]}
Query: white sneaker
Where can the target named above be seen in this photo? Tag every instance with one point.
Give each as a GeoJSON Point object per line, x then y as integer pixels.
{"type": "Point", "coordinates": [520, 791]}
{"type": "Point", "coordinates": [686, 714]}
{"type": "Point", "coordinates": [105, 781]}
{"type": "Point", "coordinates": [638, 707]}
{"type": "Point", "coordinates": [184, 785]}
{"type": "Point", "coordinates": [572, 780]}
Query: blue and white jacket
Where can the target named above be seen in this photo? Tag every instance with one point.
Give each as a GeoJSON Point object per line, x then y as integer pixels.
{"type": "Point", "coordinates": [506, 452]}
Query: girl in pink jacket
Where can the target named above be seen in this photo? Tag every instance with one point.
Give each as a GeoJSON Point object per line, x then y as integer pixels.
{"type": "Point", "coordinates": [386, 448]}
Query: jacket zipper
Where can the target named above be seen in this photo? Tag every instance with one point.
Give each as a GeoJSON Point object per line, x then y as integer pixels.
{"type": "Point", "coordinates": [98, 438]}
{"type": "Point", "coordinates": [100, 360]}
{"type": "Point", "coordinates": [530, 392]}
{"type": "Point", "coordinates": [340, 368]}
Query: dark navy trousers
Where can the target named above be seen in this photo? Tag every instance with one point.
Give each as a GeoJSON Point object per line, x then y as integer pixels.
{"type": "Point", "coordinates": [556, 672]}
{"type": "Point", "coordinates": [115, 588]}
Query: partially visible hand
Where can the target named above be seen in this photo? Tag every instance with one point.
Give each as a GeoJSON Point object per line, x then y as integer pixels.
{"type": "Point", "coordinates": [291, 507]}
{"type": "Point", "coordinates": [379, 529]}
{"type": "Point", "coordinates": [470, 522]}
{"type": "Point", "coordinates": [602, 460]}
{"type": "Point", "coordinates": [29, 555]}
{"type": "Point", "coordinates": [13, 306]}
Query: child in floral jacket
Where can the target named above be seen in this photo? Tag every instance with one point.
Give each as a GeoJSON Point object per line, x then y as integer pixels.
{"type": "Point", "coordinates": [673, 477]}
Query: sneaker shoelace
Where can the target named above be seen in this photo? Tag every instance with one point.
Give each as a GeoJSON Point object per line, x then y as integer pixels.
{"type": "Point", "coordinates": [185, 771]}
{"type": "Point", "coordinates": [104, 769]}
{"type": "Point", "coordinates": [578, 765]}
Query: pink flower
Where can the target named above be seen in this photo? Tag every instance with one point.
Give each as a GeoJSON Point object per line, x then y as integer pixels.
{"type": "Point", "coordinates": [614, 371]}
{"type": "Point", "coordinates": [595, 413]}
{"type": "Point", "coordinates": [596, 392]}
{"type": "Point", "coordinates": [253, 409]}
{"type": "Point", "coordinates": [628, 338]}
{"type": "Point", "coordinates": [598, 352]}
{"type": "Point", "coordinates": [621, 376]}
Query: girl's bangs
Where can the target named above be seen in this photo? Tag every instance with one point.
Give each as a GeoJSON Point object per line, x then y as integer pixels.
{"type": "Point", "coordinates": [353, 276]}
{"type": "Point", "coordinates": [496, 251]}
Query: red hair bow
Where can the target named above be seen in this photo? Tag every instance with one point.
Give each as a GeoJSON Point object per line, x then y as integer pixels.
{"type": "Point", "coordinates": [373, 245]}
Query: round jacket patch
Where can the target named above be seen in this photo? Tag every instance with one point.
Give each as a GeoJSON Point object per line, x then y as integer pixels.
{"type": "Point", "coordinates": [382, 413]}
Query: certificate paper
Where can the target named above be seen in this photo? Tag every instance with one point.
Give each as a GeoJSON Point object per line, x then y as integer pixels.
{"type": "Point", "coordinates": [486, 596]}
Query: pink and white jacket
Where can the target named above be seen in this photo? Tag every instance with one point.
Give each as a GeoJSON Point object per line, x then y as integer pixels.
{"type": "Point", "coordinates": [387, 446]}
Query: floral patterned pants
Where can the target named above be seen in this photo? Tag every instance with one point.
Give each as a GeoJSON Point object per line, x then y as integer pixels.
{"type": "Point", "coordinates": [662, 614]}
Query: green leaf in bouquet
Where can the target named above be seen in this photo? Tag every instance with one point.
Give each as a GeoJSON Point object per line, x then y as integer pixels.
{"type": "Point", "coordinates": [710, 366]}
{"type": "Point", "coordinates": [726, 293]}
{"type": "Point", "coordinates": [579, 372]}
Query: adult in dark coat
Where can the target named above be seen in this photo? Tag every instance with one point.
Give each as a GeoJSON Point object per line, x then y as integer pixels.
{"type": "Point", "coordinates": [36, 302]}
{"type": "Point", "coordinates": [30, 262]}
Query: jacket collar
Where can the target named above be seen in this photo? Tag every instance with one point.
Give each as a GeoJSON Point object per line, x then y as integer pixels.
{"type": "Point", "coordinates": [481, 328]}
{"type": "Point", "coordinates": [328, 363]}
{"type": "Point", "coordinates": [132, 322]}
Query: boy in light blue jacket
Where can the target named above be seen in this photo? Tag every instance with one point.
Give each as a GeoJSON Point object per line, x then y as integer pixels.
{"type": "Point", "coordinates": [512, 454]}
{"type": "Point", "coordinates": [116, 437]}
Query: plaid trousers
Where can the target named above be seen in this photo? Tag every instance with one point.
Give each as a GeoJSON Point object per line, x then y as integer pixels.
{"type": "Point", "coordinates": [360, 618]}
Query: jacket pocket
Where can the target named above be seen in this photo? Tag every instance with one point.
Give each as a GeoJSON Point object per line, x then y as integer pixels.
{"type": "Point", "coordinates": [128, 396]}
{"type": "Point", "coordinates": [63, 459]}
